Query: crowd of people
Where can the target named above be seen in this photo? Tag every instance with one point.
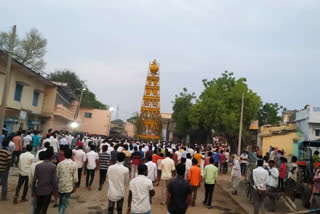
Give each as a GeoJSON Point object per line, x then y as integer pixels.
{"type": "Point", "coordinates": [53, 166]}
{"type": "Point", "coordinates": [272, 177]}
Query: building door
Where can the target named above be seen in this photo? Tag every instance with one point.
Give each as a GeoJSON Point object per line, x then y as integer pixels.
{"type": "Point", "coordinates": [9, 126]}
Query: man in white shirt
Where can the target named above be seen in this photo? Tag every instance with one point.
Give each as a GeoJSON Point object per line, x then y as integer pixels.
{"type": "Point", "coordinates": [179, 154]}
{"type": "Point", "coordinates": [152, 169]}
{"type": "Point", "coordinates": [46, 146]}
{"type": "Point", "coordinates": [54, 143]}
{"type": "Point", "coordinates": [188, 164]}
{"type": "Point", "coordinates": [69, 139]}
{"type": "Point", "coordinates": [243, 163]}
{"type": "Point", "coordinates": [64, 141]}
{"type": "Point", "coordinates": [260, 179]}
{"type": "Point", "coordinates": [118, 177]}
{"type": "Point", "coordinates": [140, 192]}
{"type": "Point", "coordinates": [191, 151]}
{"type": "Point", "coordinates": [167, 168]}
{"type": "Point", "coordinates": [26, 140]}
{"type": "Point", "coordinates": [272, 154]}
{"type": "Point", "coordinates": [26, 159]}
{"type": "Point", "coordinates": [227, 154]}
{"type": "Point", "coordinates": [272, 185]}
{"type": "Point", "coordinates": [79, 157]}
{"type": "Point", "coordinates": [92, 162]}
{"type": "Point", "coordinates": [235, 175]}
{"type": "Point", "coordinates": [47, 139]}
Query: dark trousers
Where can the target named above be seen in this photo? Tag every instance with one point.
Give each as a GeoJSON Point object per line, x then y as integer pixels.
{"type": "Point", "coordinates": [281, 185]}
{"type": "Point", "coordinates": [103, 176]}
{"type": "Point", "coordinates": [4, 184]}
{"type": "Point", "coordinates": [22, 180]}
{"type": "Point", "coordinates": [42, 204]}
{"type": "Point", "coordinates": [79, 176]}
{"type": "Point", "coordinates": [273, 196]}
{"type": "Point", "coordinates": [119, 206]}
{"type": "Point", "coordinates": [259, 201]}
{"type": "Point", "coordinates": [216, 164]}
{"type": "Point", "coordinates": [221, 167]}
{"type": "Point", "coordinates": [225, 168]}
{"type": "Point", "coordinates": [243, 167]}
{"type": "Point", "coordinates": [90, 174]}
{"type": "Point", "coordinates": [194, 194]}
{"type": "Point", "coordinates": [15, 157]}
{"type": "Point", "coordinates": [208, 193]}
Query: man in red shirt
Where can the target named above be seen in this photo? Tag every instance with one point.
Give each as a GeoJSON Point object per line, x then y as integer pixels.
{"type": "Point", "coordinates": [156, 157]}
{"type": "Point", "coordinates": [135, 161]}
{"type": "Point", "coordinates": [174, 156]}
{"type": "Point", "coordinates": [18, 143]}
{"type": "Point", "coordinates": [222, 160]}
{"type": "Point", "coordinates": [195, 180]}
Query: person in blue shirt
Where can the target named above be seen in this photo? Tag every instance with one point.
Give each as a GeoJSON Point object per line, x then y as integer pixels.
{"type": "Point", "coordinates": [35, 142]}
{"type": "Point", "coordinates": [216, 157]}
{"type": "Point", "coordinates": [2, 137]}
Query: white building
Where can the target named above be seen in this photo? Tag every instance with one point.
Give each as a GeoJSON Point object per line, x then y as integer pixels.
{"type": "Point", "coordinates": [308, 121]}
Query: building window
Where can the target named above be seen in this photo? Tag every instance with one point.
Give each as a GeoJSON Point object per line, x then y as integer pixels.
{"type": "Point", "coordinates": [88, 115]}
{"type": "Point", "coordinates": [18, 92]}
{"type": "Point", "coordinates": [35, 98]}
{"type": "Point", "coordinates": [317, 132]}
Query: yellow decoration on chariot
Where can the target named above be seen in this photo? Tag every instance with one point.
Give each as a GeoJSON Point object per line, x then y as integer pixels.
{"type": "Point", "coordinates": [150, 108]}
{"type": "Point", "coordinates": [154, 68]}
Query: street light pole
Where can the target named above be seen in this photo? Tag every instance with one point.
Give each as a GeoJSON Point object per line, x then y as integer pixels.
{"type": "Point", "coordinates": [7, 77]}
{"type": "Point", "coordinates": [240, 128]}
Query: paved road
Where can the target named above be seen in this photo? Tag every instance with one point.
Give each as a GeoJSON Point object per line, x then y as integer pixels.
{"type": "Point", "coordinates": [94, 201]}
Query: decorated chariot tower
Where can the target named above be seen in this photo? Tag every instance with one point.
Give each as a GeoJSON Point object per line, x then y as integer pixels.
{"type": "Point", "coordinates": [150, 108]}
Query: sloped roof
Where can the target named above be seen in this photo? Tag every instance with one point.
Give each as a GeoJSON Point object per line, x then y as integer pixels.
{"type": "Point", "coordinates": [23, 68]}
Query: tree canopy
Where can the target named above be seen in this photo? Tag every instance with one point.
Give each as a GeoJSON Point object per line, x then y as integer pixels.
{"type": "Point", "coordinates": [76, 84]}
{"type": "Point", "coordinates": [30, 50]}
{"type": "Point", "coordinates": [181, 111]}
{"type": "Point", "coordinates": [218, 107]}
{"type": "Point", "coordinates": [269, 114]}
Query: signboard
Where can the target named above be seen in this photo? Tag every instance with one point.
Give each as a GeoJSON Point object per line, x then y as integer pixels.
{"type": "Point", "coordinates": [23, 115]}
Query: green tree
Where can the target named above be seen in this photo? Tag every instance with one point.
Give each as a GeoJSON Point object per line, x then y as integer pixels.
{"type": "Point", "coordinates": [88, 99]}
{"type": "Point", "coordinates": [181, 110]}
{"type": "Point", "coordinates": [219, 106]}
{"type": "Point", "coordinates": [69, 77]}
{"type": "Point", "coordinates": [30, 50]}
{"type": "Point", "coordinates": [269, 114]}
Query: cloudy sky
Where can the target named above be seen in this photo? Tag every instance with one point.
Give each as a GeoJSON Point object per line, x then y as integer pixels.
{"type": "Point", "coordinates": [109, 43]}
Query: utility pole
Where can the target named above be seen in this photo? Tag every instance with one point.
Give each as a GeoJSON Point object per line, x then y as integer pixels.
{"type": "Point", "coordinates": [240, 129]}
{"type": "Point", "coordinates": [76, 114]}
{"type": "Point", "coordinates": [7, 77]}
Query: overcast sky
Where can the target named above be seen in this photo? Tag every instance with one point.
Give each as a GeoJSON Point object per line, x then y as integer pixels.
{"type": "Point", "coordinates": [109, 43]}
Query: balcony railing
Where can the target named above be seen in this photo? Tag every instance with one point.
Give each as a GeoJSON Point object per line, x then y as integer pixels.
{"type": "Point", "coordinates": [62, 111]}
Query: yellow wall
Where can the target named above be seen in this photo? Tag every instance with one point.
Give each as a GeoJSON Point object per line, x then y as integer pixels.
{"type": "Point", "coordinates": [31, 82]}
{"type": "Point", "coordinates": [281, 141]}
{"type": "Point", "coordinates": [130, 129]}
{"type": "Point", "coordinates": [49, 100]}
{"type": "Point", "coordinates": [98, 124]}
